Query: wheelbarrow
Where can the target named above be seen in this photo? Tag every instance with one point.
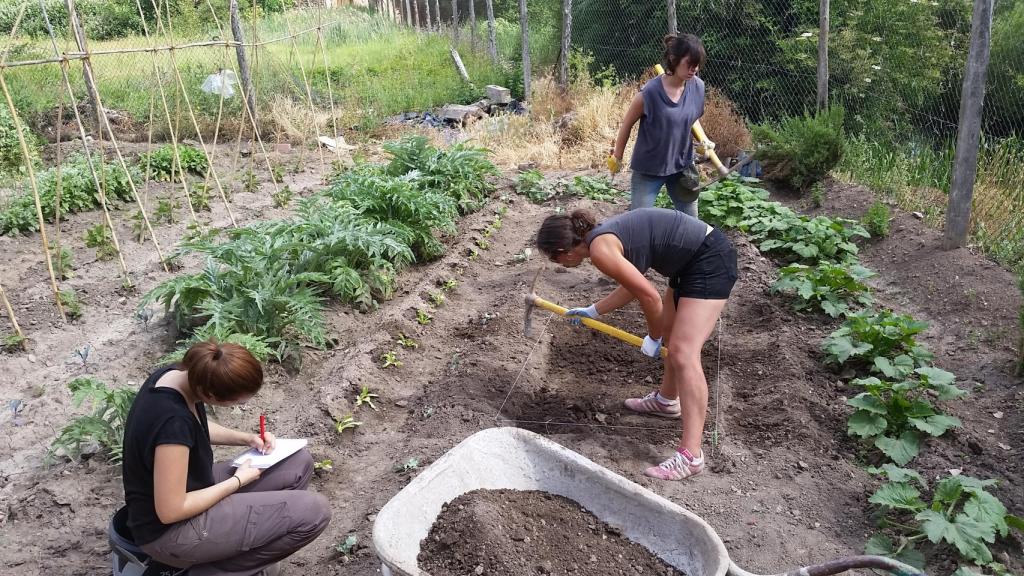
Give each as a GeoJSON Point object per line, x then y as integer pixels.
{"type": "Point", "coordinates": [518, 459]}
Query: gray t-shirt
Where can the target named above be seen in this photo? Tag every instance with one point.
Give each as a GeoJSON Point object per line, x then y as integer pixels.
{"type": "Point", "coordinates": [664, 145]}
{"type": "Point", "coordinates": [656, 238]}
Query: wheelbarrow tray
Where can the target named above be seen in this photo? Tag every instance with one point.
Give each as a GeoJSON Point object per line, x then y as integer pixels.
{"type": "Point", "coordinates": [517, 459]}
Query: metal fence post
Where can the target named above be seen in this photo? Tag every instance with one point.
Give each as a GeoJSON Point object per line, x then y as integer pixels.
{"type": "Point", "coordinates": [563, 55]}
{"type": "Point", "coordinates": [243, 63]}
{"type": "Point", "coordinates": [525, 29]}
{"type": "Point", "coordinates": [492, 39]}
{"type": "Point", "coordinates": [972, 99]}
{"type": "Point", "coordinates": [823, 54]}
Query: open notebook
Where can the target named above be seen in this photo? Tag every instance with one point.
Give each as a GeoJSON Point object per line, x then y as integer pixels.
{"type": "Point", "coordinates": [284, 448]}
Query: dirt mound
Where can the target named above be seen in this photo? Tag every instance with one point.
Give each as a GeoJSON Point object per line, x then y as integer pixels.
{"type": "Point", "coordinates": [515, 533]}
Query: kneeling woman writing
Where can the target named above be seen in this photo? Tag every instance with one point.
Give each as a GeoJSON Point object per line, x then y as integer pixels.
{"type": "Point", "coordinates": [699, 262]}
{"type": "Point", "coordinates": [186, 511]}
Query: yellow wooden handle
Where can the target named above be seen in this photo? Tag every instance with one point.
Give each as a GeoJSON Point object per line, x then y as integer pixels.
{"type": "Point", "coordinates": [701, 136]}
{"type": "Point", "coordinates": [599, 326]}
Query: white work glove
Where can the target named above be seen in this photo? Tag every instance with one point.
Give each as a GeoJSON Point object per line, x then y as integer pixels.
{"type": "Point", "coordinates": [576, 313]}
{"type": "Point", "coordinates": [651, 347]}
{"type": "Point", "coordinates": [704, 147]}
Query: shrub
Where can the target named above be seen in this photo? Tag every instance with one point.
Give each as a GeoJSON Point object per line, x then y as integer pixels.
{"type": "Point", "coordinates": [12, 161]}
{"type": "Point", "coordinates": [801, 150]}
{"type": "Point", "coordinates": [883, 342]}
{"type": "Point", "coordinates": [531, 184]}
{"type": "Point", "coordinates": [78, 194]}
{"type": "Point", "coordinates": [163, 167]}
{"type": "Point", "coordinates": [876, 219]}
{"type": "Point", "coordinates": [724, 124]}
{"type": "Point", "coordinates": [104, 427]}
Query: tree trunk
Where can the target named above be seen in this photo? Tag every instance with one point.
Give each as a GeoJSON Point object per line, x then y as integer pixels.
{"type": "Point", "coordinates": [408, 14]}
{"type": "Point", "coordinates": [243, 62]}
{"type": "Point", "coordinates": [430, 23]}
{"type": "Point", "coordinates": [524, 25]}
{"type": "Point", "coordinates": [472, 25]}
{"type": "Point", "coordinates": [455, 23]}
{"type": "Point", "coordinates": [673, 24]}
{"type": "Point", "coordinates": [972, 99]}
{"type": "Point", "coordinates": [90, 84]}
{"type": "Point", "coordinates": [563, 56]}
{"type": "Point", "coordinates": [492, 40]}
{"type": "Point", "coordinates": [823, 55]}
{"type": "Point", "coordinates": [437, 15]}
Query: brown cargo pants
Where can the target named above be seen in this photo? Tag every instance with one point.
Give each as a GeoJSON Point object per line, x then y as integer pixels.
{"type": "Point", "coordinates": [261, 524]}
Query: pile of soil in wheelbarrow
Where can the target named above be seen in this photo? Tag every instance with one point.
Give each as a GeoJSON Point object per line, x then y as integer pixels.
{"type": "Point", "coordinates": [526, 533]}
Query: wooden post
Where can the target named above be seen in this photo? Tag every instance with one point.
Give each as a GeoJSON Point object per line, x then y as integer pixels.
{"type": "Point", "coordinates": [90, 84]}
{"type": "Point", "coordinates": [492, 39]}
{"type": "Point", "coordinates": [455, 23]}
{"type": "Point", "coordinates": [972, 99]}
{"type": "Point", "coordinates": [673, 24]}
{"type": "Point", "coordinates": [430, 23]}
{"type": "Point", "coordinates": [416, 13]}
{"type": "Point", "coordinates": [243, 62]}
{"type": "Point", "coordinates": [563, 56]}
{"type": "Point", "coordinates": [472, 25]}
{"type": "Point", "coordinates": [823, 55]}
{"type": "Point", "coordinates": [437, 15]}
{"type": "Point", "coordinates": [524, 25]}
{"type": "Point", "coordinates": [408, 14]}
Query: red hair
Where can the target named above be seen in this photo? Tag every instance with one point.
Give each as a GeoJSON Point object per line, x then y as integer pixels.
{"type": "Point", "coordinates": [222, 372]}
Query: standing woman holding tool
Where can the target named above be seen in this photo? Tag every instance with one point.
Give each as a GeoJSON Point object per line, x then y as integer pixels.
{"type": "Point", "coordinates": [699, 262]}
{"type": "Point", "coordinates": [667, 108]}
{"type": "Point", "coordinates": [187, 512]}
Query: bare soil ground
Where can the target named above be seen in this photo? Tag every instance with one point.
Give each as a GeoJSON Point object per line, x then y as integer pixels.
{"type": "Point", "coordinates": [786, 485]}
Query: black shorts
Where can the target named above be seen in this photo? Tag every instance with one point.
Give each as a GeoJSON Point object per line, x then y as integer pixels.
{"type": "Point", "coordinates": [711, 273]}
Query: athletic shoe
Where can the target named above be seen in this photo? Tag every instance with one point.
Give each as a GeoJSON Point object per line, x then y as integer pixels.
{"type": "Point", "coordinates": [651, 405]}
{"type": "Point", "coordinates": [678, 467]}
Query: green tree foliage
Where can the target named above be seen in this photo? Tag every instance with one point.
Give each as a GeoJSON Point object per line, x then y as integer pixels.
{"type": "Point", "coordinates": [800, 150]}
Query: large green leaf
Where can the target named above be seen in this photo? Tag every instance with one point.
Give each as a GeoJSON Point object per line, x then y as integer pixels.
{"type": "Point", "coordinates": [843, 348]}
{"type": "Point", "coordinates": [865, 424]}
{"type": "Point", "coordinates": [899, 495]}
{"type": "Point", "coordinates": [936, 425]}
{"type": "Point", "coordinates": [900, 450]}
{"type": "Point", "coordinates": [966, 534]}
{"type": "Point", "coordinates": [987, 509]}
{"type": "Point", "coordinates": [868, 402]}
{"type": "Point", "coordinates": [896, 474]}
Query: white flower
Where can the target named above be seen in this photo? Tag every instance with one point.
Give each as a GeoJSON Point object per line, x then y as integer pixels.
{"type": "Point", "coordinates": [876, 67]}
{"type": "Point", "coordinates": [806, 35]}
{"type": "Point", "coordinates": [877, 38]}
{"type": "Point", "coordinates": [868, 80]}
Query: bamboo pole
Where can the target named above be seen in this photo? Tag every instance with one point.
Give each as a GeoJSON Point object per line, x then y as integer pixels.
{"type": "Point", "coordinates": [85, 145]}
{"type": "Point", "coordinates": [327, 67]}
{"type": "Point", "coordinates": [35, 193]}
{"type": "Point", "coordinates": [312, 109]}
{"type": "Point", "coordinates": [14, 320]}
{"type": "Point", "coordinates": [492, 36]}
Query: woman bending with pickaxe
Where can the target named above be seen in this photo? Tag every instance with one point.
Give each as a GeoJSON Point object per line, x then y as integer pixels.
{"type": "Point", "coordinates": [699, 262]}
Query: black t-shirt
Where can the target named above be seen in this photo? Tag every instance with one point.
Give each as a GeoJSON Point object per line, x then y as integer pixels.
{"type": "Point", "coordinates": [158, 416]}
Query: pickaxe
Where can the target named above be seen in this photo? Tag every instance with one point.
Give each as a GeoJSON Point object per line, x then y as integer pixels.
{"type": "Point", "coordinates": [533, 301]}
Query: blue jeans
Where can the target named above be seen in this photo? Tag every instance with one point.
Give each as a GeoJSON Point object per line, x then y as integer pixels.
{"type": "Point", "coordinates": [681, 187]}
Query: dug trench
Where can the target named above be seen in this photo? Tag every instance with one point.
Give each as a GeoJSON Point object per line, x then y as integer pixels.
{"type": "Point", "coordinates": [787, 487]}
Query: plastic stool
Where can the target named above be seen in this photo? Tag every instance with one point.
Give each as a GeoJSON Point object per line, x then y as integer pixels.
{"type": "Point", "coordinates": [127, 558]}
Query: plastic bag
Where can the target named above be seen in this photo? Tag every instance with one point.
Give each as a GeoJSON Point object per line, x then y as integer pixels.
{"type": "Point", "coordinates": [222, 83]}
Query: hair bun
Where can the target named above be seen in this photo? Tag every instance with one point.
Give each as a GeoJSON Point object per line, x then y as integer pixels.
{"type": "Point", "coordinates": [669, 39]}
{"type": "Point", "coordinates": [582, 223]}
{"type": "Point", "coordinates": [217, 353]}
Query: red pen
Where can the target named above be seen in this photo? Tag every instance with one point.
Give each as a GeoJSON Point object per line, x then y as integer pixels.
{"type": "Point", "coordinates": [263, 431]}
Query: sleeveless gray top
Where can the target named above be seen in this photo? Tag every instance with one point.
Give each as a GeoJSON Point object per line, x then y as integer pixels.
{"type": "Point", "coordinates": [664, 145]}
{"type": "Point", "coordinates": [656, 238]}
